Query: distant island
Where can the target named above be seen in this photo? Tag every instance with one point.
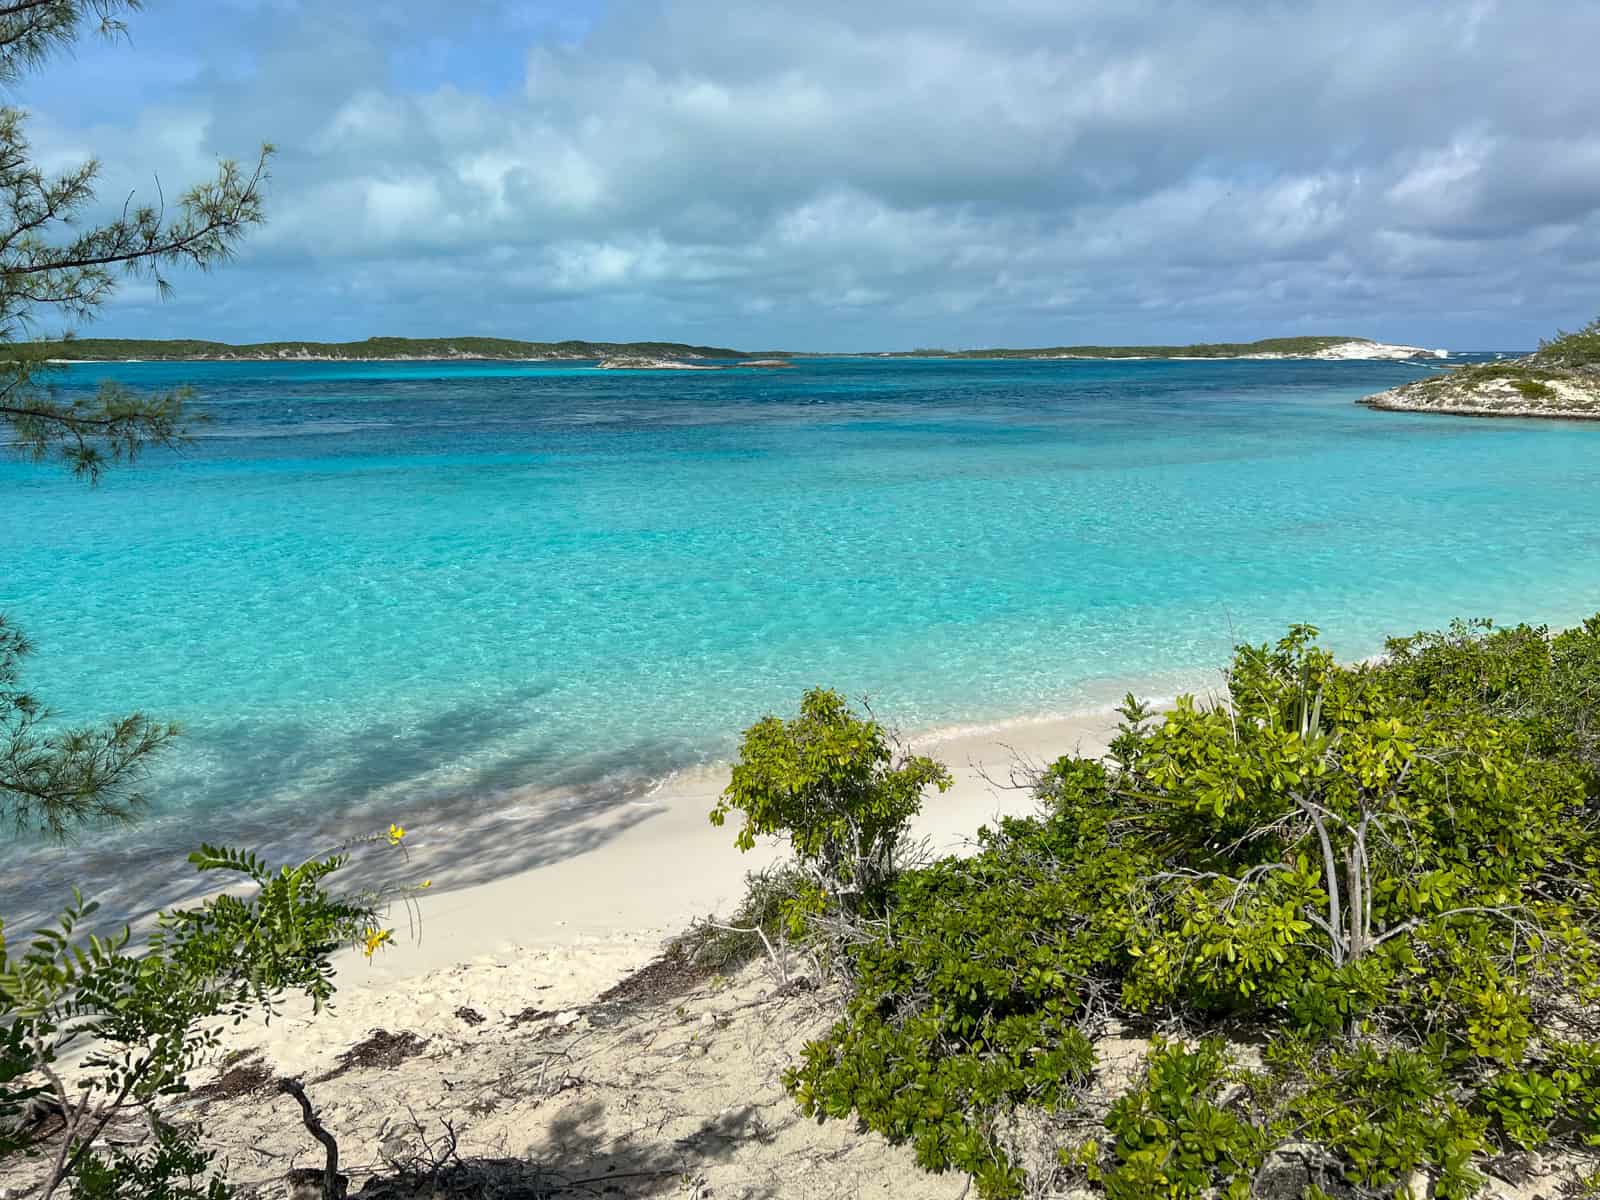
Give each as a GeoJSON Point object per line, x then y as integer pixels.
{"type": "Point", "coordinates": [659, 356]}
{"type": "Point", "coordinates": [1331, 348]}
{"type": "Point", "coordinates": [1560, 379]}
{"type": "Point", "coordinates": [385, 349]}
{"type": "Point", "coordinates": [641, 362]}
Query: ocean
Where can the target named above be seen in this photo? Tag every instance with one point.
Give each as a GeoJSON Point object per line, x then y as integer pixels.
{"type": "Point", "coordinates": [374, 591]}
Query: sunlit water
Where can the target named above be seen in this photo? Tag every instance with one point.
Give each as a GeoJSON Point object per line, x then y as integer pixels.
{"type": "Point", "coordinates": [386, 589]}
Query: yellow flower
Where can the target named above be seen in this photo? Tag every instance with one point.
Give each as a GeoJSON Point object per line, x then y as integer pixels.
{"type": "Point", "coordinates": [377, 937]}
{"type": "Point", "coordinates": [396, 834]}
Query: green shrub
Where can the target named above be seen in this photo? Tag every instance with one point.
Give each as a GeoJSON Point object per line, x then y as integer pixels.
{"type": "Point", "coordinates": [1578, 350]}
{"type": "Point", "coordinates": [1171, 1136]}
{"type": "Point", "coordinates": [1388, 1113]}
{"type": "Point", "coordinates": [1549, 684]}
{"type": "Point", "coordinates": [1390, 868]}
{"type": "Point", "coordinates": [836, 786]}
{"type": "Point", "coordinates": [136, 1020]}
{"type": "Point", "coordinates": [172, 1166]}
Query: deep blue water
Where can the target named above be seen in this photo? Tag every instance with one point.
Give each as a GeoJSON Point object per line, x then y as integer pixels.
{"type": "Point", "coordinates": [371, 588]}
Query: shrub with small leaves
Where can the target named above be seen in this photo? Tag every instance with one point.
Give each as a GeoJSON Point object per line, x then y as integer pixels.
{"type": "Point", "coordinates": [838, 788]}
{"type": "Point", "coordinates": [135, 1020]}
{"type": "Point", "coordinates": [1389, 870]}
{"type": "Point", "coordinates": [1172, 1137]}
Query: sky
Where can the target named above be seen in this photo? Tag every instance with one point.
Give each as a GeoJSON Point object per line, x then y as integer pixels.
{"type": "Point", "coordinates": [861, 174]}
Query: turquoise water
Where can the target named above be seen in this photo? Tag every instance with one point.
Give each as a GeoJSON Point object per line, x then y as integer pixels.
{"type": "Point", "coordinates": [395, 588]}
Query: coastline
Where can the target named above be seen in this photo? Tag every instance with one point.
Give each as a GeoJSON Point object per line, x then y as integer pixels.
{"type": "Point", "coordinates": [551, 1049]}
{"type": "Point", "coordinates": [556, 936]}
{"type": "Point", "coordinates": [664, 356]}
{"type": "Point", "coordinates": [655, 862]}
{"type": "Point", "coordinates": [1491, 399]}
{"type": "Point", "coordinates": [1559, 381]}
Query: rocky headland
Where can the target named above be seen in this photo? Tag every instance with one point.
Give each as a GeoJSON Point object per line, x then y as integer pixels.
{"type": "Point", "coordinates": [1359, 349]}
{"type": "Point", "coordinates": [1561, 380]}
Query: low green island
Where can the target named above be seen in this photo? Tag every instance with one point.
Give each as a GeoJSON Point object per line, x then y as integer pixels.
{"type": "Point", "coordinates": [1287, 347]}
{"type": "Point", "coordinates": [1560, 379]}
{"type": "Point", "coordinates": [371, 349]}
{"type": "Point", "coordinates": [664, 355]}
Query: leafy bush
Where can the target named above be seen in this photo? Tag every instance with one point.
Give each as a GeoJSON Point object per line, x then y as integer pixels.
{"type": "Point", "coordinates": [837, 787]}
{"type": "Point", "coordinates": [1173, 1137]}
{"type": "Point", "coordinates": [1580, 349]}
{"type": "Point", "coordinates": [1549, 684]}
{"type": "Point", "coordinates": [171, 1167]}
{"type": "Point", "coordinates": [761, 920]}
{"type": "Point", "coordinates": [970, 1008]}
{"type": "Point", "coordinates": [133, 1022]}
{"type": "Point", "coordinates": [1389, 870]}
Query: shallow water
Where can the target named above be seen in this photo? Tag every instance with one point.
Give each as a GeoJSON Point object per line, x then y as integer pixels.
{"type": "Point", "coordinates": [377, 589]}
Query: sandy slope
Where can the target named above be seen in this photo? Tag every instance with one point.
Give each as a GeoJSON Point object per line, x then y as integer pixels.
{"type": "Point", "coordinates": [655, 862]}
{"type": "Point", "coordinates": [660, 1095]}
{"type": "Point", "coordinates": [501, 1058]}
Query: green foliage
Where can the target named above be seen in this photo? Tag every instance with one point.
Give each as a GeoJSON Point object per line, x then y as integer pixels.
{"type": "Point", "coordinates": [136, 1020]}
{"type": "Point", "coordinates": [52, 262]}
{"type": "Point", "coordinates": [53, 781]}
{"type": "Point", "coordinates": [1525, 1103]}
{"type": "Point", "coordinates": [1171, 1135]}
{"type": "Point", "coordinates": [81, 349]}
{"type": "Point", "coordinates": [971, 1007]}
{"type": "Point", "coordinates": [1548, 684]}
{"type": "Point", "coordinates": [172, 1166]}
{"type": "Point", "coordinates": [1580, 349]}
{"type": "Point", "coordinates": [1390, 868]}
{"type": "Point", "coordinates": [95, 1026]}
{"type": "Point", "coordinates": [1387, 1113]}
{"type": "Point", "coordinates": [833, 783]}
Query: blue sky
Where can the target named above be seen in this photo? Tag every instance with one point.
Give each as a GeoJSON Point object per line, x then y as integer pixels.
{"type": "Point", "coordinates": [840, 175]}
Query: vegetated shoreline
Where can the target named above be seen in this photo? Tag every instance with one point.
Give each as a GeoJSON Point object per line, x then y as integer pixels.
{"type": "Point", "coordinates": [565, 963]}
{"type": "Point", "coordinates": [646, 1068]}
{"type": "Point", "coordinates": [619, 884]}
{"type": "Point", "coordinates": [559, 1061]}
{"type": "Point", "coordinates": [670, 355]}
{"type": "Point", "coordinates": [532, 964]}
{"type": "Point", "coordinates": [1334, 349]}
{"type": "Point", "coordinates": [1560, 380]}
{"type": "Point", "coordinates": [376, 349]}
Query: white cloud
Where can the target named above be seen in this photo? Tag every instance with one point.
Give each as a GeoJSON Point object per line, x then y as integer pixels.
{"type": "Point", "coordinates": [840, 173]}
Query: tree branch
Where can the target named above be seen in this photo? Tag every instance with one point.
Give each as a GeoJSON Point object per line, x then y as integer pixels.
{"type": "Point", "coordinates": [330, 1171]}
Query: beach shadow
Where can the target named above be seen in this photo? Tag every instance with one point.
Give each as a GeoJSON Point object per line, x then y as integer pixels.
{"type": "Point", "coordinates": [484, 829]}
{"type": "Point", "coordinates": [578, 1158]}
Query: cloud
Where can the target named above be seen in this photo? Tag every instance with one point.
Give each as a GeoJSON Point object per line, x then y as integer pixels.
{"type": "Point", "coordinates": [847, 175]}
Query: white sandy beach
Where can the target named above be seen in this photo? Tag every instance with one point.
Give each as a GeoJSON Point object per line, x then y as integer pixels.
{"type": "Point", "coordinates": [506, 1033]}
{"type": "Point", "coordinates": [490, 1059]}
{"type": "Point", "coordinates": [656, 862]}
{"type": "Point", "coordinates": [509, 1042]}
{"type": "Point", "coordinates": [555, 935]}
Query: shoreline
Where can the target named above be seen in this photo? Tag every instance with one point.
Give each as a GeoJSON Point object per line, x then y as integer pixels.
{"type": "Point", "coordinates": [1485, 403]}
{"type": "Point", "coordinates": [557, 936]}
{"type": "Point", "coordinates": [652, 863]}
{"type": "Point", "coordinates": [1420, 358]}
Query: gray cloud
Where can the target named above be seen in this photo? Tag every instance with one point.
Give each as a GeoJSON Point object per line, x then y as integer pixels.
{"type": "Point", "coordinates": [850, 175]}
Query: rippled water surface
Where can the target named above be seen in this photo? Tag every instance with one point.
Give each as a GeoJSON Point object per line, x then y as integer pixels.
{"type": "Point", "coordinates": [389, 586]}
